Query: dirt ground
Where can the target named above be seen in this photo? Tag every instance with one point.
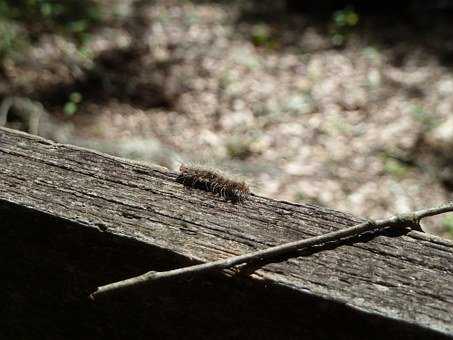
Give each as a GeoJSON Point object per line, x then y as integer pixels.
{"type": "Point", "coordinates": [362, 126]}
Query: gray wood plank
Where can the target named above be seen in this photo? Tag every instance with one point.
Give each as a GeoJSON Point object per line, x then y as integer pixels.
{"type": "Point", "coordinates": [407, 278]}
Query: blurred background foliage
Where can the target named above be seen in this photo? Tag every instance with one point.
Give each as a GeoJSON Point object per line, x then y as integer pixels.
{"type": "Point", "coordinates": [70, 17]}
{"type": "Point", "coordinates": [23, 21]}
{"type": "Point", "coordinates": [298, 94]}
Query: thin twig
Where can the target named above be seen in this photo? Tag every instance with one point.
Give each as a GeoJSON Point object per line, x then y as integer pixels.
{"type": "Point", "coordinates": [404, 220]}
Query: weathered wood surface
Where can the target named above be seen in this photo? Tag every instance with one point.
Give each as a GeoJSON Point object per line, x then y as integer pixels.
{"type": "Point", "coordinates": [407, 278]}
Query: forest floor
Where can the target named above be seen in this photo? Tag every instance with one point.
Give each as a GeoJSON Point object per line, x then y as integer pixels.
{"type": "Point", "coordinates": [355, 119]}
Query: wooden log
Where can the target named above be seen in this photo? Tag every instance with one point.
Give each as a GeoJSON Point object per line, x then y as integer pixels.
{"type": "Point", "coordinates": [74, 219]}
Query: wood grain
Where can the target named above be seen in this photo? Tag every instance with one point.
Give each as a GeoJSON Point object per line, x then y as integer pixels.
{"type": "Point", "coordinates": [407, 278]}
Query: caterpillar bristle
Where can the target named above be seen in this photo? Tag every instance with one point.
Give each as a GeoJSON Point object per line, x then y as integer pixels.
{"type": "Point", "coordinates": [213, 181]}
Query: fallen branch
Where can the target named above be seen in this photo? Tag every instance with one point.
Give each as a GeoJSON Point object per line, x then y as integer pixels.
{"type": "Point", "coordinates": [408, 220]}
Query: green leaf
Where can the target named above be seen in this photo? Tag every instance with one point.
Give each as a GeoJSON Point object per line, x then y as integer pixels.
{"type": "Point", "coordinates": [70, 108]}
{"type": "Point", "coordinates": [447, 224]}
{"type": "Point", "coordinates": [395, 168]}
{"type": "Point", "coordinates": [75, 97]}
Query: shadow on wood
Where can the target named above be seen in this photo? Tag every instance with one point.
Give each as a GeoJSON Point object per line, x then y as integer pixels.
{"type": "Point", "coordinates": [73, 219]}
{"type": "Point", "coordinates": [50, 266]}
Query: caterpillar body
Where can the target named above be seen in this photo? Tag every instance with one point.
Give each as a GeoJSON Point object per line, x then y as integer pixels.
{"type": "Point", "coordinates": [213, 181]}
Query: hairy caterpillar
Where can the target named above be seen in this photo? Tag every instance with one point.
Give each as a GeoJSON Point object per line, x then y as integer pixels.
{"type": "Point", "coordinates": [213, 181]}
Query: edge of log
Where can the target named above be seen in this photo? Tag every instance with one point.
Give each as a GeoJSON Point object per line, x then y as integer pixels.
{"type": "Point", "coordinates": [407, 278]}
